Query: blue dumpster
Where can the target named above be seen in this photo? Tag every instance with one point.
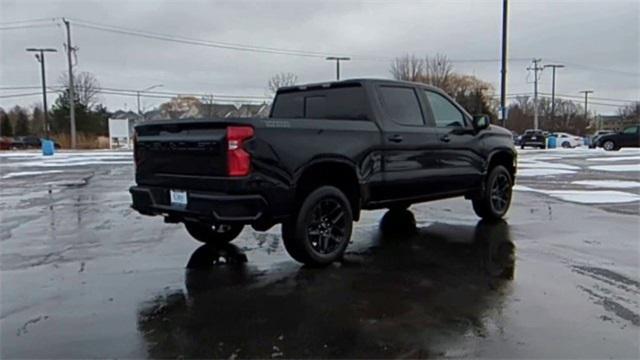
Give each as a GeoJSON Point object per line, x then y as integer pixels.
{"type": "Point", "coordinates": [48, 147]}
{"type": "Point", "coordinates": [552, 142]}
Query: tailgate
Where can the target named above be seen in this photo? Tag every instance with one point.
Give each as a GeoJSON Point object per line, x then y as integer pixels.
{"type": "Point", "coordinates": [181, 148]}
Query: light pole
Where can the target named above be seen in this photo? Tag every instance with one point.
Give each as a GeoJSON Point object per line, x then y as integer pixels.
{"type": "Point", "coordinates": [40, 56]}
{"type": "Point", "coordinates": [503, 72]}
{"type": "Point", "coordinates": [337, 60]}
{"type": "Point", "coordinates": [143, 90]}
{"type": "Point", "coordinates": [535, 69]}
{"type": "Point", "coordinates": [553, 87]}
{"type": "Point", "coordinates": [586, 102]}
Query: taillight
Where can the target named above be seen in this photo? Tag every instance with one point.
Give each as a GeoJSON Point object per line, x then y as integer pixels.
{"type": "Point", "coordinates": [238, 159]}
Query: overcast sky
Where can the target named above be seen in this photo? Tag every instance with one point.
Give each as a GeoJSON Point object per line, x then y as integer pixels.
{"type": "Point", "coordinates": [598, 41]}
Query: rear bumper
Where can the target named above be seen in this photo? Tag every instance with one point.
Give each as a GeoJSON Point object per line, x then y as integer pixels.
{"type": "Point", "coordinates": [201, 206]}
{"type": "Point", "coordinates": [533, 143]}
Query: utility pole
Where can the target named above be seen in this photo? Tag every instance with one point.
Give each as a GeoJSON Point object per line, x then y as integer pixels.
{"type": "Point", "coordinates": [143, 90]}
{"type": "Point", "coordinates": [535, 69]}
{"type": "Point", "coordinates": [553, 87]}
{"type": "Point", "coordinates": [586, 102]}
{"type": "Point", "coordinates": [72, 96]}
{"type": "Point", "coordinates": [40, 57]}
{"type": "Point", "coordinates": [338, 59]}
{"type": "Point", "coordinates": [503, 72]}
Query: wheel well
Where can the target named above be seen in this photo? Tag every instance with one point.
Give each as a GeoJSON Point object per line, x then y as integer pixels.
{"type": "Point", "coordinates": [337, 174]}
{"type": "Point", "coordinates": [505, 159]}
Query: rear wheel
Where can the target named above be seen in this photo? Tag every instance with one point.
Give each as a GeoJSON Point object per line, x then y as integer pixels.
{"type": "Point", "coordinates": [213, 234]}
{"type": "Point", "coordinates": [495, 199]}
{"type": "Point", "coordinates": [566, 145]}
{"type": "Point", "coordinates": [320, 232]}
{"type": "Point", "coordinates": [609, 145]}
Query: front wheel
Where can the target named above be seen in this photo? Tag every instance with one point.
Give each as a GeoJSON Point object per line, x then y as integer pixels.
{"type": "Point", "coordinates": [213, 234]}
{"type": "Point", "coordinates": [495, 199]}
{"type": "Point", "coordinates": [609, 145]}
{"type": "Point", "coordinates": [320, 232]}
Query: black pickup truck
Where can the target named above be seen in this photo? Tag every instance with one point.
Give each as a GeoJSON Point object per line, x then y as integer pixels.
{"type": "Point", "coordinates": [327, 152]}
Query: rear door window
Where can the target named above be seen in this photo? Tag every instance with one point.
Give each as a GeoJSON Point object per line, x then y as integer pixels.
{"type": "Point", "coordinates": [340, 103]}
{"type": "Point", "coordinates": [401, 104]}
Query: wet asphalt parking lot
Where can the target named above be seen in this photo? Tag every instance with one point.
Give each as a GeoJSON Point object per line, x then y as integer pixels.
{"type": "Point", "coordinates": [82, 275]}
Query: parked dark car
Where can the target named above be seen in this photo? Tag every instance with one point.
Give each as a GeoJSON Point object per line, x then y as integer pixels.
{"type": "Point", "coordinates": [326, 152]}
{"type": "Point", "coordinates": [533, 138]}
{"type": "Point", "coordinates": [28, 142]}
{"type": "Point", "coordinates": [593, 139]}
{"type": "Point", "coordinates": [516, 138]}
{"type": "Point", "coordinates": [629, 137]}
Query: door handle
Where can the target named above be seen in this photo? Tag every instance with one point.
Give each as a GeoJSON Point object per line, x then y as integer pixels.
{"type": "Point", "coordinates": [445, 138]}
{"type": "Point", "coordinates": [396, 138]}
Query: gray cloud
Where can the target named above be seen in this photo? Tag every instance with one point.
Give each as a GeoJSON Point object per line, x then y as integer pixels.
{"type": "Point", "coordinates": [589, 36]}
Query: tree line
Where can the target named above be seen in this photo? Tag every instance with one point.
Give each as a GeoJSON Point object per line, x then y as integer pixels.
{"type": "Point", "coordinates": [91, 116]}
{"type": "Point", "coordinates": [475, 95]}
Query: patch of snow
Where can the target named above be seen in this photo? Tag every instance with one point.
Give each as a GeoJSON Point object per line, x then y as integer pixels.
{"type": "Point", "coordinates": [543, 172]}
{"type": "Point", "coordinates": [585, 196]}
{"type": "Point", "coordinates": [616, 158]}
{"type": "Point", "coordinates": [546, 165]}
{"type": "Point", "coordinates": [66, 163]}
{"type": "Point", "coordinates": [594, 197]}
{"type": "Point", "coordinates": [614, 184]}
{"type": "Point", "coordinates": [29, 173]}
{"type": "Point", "coordinates": [65, 154]}
{"type": "Point", "coordinates": [617, 168]}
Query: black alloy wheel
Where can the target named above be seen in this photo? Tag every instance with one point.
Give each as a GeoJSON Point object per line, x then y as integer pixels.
{"type": "Point", "coordinates": [319, 232]}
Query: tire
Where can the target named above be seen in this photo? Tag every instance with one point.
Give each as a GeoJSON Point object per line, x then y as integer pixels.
{"type": "Point", "coordinates": [495, 199]}
{"type": "Point", "coordinates": [320, 231]}
{"type": "Point", "coordinates": [566, 145]}
{"type": "Point", "coordinates": [214, 235]}
{"type": "Point", "coordinates": [542, 147]}
{"type": "Point", "coordinates": [609, 145]}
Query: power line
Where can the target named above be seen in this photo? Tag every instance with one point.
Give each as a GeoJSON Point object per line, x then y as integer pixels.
{"type": "Point", "coordinates": [593, 97]}
{"type": "Point", "coordinates": [597, 68]}
{"type": "Point", "coordinates": [28, 21]}
{"type": "Point", "coordinates": [198, 42]}
{"type": "Point", "coordinates": [24, 94]}
{"type": "Point", "coordinates": [32, 26]}
{"type": "Point", "coordinates": [246, 47]}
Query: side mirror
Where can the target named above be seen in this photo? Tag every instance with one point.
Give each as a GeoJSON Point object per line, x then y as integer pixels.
{"type": "Point", "coordinates": [481, 122]}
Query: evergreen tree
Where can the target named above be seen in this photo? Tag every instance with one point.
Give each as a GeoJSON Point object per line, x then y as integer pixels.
{"type": "Point", "coordinates": [22, 123]}
{"type": "Point", "coordinates": [37, 121]}
{"type": "Point", "coordinates": [5, 125]}
{"type": "Point", "coordinates": [87, 120]}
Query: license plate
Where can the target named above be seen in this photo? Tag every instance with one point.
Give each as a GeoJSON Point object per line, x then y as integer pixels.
{"type": "Point", "coordinates": [178, 197]}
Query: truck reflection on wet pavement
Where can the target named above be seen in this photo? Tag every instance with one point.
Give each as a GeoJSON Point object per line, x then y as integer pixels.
{"type": "Point", "coordinates": [393, 299]}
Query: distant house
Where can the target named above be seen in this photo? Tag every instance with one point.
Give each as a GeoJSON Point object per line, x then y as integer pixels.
{"type": "Point", "coordinates": [613, 122]}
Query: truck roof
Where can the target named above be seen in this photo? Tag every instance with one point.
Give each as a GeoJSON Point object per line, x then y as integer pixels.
{"type": "Point", "coordinates": [347, 82]}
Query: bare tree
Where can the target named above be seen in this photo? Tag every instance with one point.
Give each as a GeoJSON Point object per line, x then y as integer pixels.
{"type": "Point", "coordinates": [281, 80]}
{"type": "Point", "coordinates": [630, 111]}
{"type": "Point", "coordinates": [86, 87]}
{"type": "Point", "coordinates": [407, 68]}
{"type": "Point", "coordinates": [437, 71]}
